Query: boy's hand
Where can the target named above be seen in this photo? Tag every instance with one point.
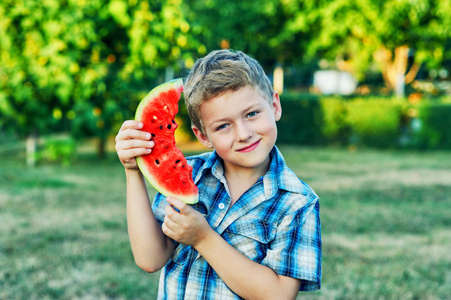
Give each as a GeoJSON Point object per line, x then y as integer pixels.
{"type": "Point", "coordinates": [187, 226]}
{"type": "Point", "coordinates": [131, 142]}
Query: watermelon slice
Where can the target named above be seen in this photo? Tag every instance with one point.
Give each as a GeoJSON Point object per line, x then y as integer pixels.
{"type": "Point", "coordinates": [165, 167]}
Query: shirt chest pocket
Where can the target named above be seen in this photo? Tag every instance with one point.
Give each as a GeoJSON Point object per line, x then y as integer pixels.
{"type": "Point", "coordinates": [251, 237]}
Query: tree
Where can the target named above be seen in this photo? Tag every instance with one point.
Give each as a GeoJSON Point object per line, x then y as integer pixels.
{"type": "Point", "coordinates": [399, 35]}
{"type": "Point", "coordinates": [82, 65]}
{"type": "Point", "coordinates": [259, 28]}
{"type": "Point", "coordinates": [240, 25]}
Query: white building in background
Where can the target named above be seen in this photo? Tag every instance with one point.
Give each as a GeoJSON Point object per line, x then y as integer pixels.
{"type": "Point", "coordinates": [334, 82]}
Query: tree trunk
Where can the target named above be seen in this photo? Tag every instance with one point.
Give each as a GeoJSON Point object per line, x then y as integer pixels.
{"type": "Point", "coordinates": [101, 147]}
{"type": "Point", "coordinates": [394, 69]}
{"type": "Point", "coordinates": [399, 85]}
{"type": "Point", "coordinates": [278, 79]}
{"type": "Point", "coordinates": [31, 144]}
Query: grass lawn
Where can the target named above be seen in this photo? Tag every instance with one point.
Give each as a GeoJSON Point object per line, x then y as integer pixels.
{"type": "Point", "coordinates": [385, 219]}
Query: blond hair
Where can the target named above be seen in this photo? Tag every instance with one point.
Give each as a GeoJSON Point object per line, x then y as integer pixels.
{"type": "Point", "coordinates": [221, 71]}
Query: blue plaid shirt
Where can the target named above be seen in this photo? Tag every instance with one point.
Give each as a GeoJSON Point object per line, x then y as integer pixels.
{"type": "Point", "coordinates": [275, 223]}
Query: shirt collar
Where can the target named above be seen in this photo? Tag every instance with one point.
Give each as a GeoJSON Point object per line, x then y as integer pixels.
{"type": "Point", "coordinates": [278, 176]}
{"type": "Point", "coordinates": [213, 164]}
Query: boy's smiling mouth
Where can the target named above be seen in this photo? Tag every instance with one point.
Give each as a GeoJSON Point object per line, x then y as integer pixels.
{"type": "Point", "coordinates": [249, 148]}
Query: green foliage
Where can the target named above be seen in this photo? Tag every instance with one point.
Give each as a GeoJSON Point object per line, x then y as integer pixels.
{"type": "Point", "coordinates": [59, 150]}
{"type": "Point", "coordinates": [335, 128]}
{"type": "Point", "coordinates": [185, 125]}
{"type": "Point", "coordinates": [301, 120]}
{"type": "Point", "coordinates": [80, 65]}
{"type": "Point", "coordinates": [355, 30]}
{"type": "Point", "coordinates": [260, 30]}
{"type": "Point", "coordinates": [435, 124]}
{"type": "Point", "coordinates": [373, 122]}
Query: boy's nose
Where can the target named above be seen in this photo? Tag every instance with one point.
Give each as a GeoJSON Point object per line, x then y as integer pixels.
{"type": "Point", "coordinates": [243, 132]}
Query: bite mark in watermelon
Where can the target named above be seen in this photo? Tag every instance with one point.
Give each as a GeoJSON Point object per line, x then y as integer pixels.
{"type": "Point", "coordinates": [165, 167]}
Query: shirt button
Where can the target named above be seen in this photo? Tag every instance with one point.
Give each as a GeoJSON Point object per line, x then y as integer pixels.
{"type": "Point", "coordinates": [221, 205]}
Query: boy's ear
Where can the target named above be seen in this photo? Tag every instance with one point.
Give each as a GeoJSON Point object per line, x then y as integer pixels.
{"type": "Point", "coordinates": [277, 107]}
{"type": "Point", "coordinates": [202, 137]}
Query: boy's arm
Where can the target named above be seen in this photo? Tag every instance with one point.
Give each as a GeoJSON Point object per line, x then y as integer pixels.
{"type": "Point", "coordinates": [151, 248]}
{"type": "Point", "coordinates": [248, 279]}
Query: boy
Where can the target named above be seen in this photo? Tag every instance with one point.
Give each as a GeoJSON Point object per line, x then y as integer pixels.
{"type": "Point", "coordinates": [255, 232]}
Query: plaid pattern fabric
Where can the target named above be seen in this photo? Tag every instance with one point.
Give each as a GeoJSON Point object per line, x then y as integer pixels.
{"type": "Point", "coordinates": [275, 223]}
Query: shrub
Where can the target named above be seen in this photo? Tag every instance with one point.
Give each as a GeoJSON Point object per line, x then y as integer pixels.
{"type": "Point", "coordinates": [312, 120]}
{"type": "Point", "coordinates": [435, 126]}
{"type": "Point", "coordinates": [334, 128]}
{"type": "Point", "coordinates": [301, 121]}
{"type": "Point", "coordinates": [59, 150]}
{"type": "Point", "coordinates": [374, 122]}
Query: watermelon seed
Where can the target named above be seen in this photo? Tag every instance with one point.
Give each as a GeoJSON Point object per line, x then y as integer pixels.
{"type": "Point", "coordinates": [165, 107]}
{"type": "Point", "coordinates": [152, 134]}
{"type": "Point", "coordinates": [155, 117]}
{"type": "Point", "coordinates": [169, 126]}
{"type": "Point", "coordinates": [157, 161]}
{"type": "Point", "coordinates": [177, 161]}
{"type": "Point", "coordinates": [161, 127]}
{"type": "Point", "coordinates": [173, 121]}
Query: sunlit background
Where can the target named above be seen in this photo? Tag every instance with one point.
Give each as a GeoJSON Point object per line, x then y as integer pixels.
{"type": "Point", "coordinates": [365, 87]}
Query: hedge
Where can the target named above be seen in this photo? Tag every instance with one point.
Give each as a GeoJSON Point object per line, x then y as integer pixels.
{"type": "Point", "coordinates": [435, 126]}
{"type": "Point", "coordinates": [301, 122]}
{"type": "Point", "coordinates": [374, 122]}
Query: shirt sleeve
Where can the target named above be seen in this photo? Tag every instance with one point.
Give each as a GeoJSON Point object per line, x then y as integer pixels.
{"type": "Point", "coordinates": [296, 248]}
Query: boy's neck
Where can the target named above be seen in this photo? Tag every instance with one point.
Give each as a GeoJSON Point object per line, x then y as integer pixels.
{"type": "Point", "coordinates": [239, 180]}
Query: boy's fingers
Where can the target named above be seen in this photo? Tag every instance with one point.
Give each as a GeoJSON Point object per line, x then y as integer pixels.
{"type": "Point", "coordinates": [167, 229]}
{"type": "Point", "coordinates": [179, 204]}
{"type": "Point", "coordinates": [169, 223]}
{"type": "Point", "coordinates": [173, 213]}
{"type": "Point", "coordinates": [138, 144]}
{"type": "Point", "coordinates": [130, 133]}
{"type": "Point", "coordinates": [129, 154]}
{"type": "Point", "coordinates": [131, 124]}
{"type": "Point", "coordinates": [134, 147]}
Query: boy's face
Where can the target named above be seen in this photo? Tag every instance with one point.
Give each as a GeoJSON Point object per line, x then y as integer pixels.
{"type": "Point", "coordinates": [241, 126]}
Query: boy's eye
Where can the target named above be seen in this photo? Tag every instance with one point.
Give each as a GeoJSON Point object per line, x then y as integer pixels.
{"type": "Point", "coordinates": [223, 126]}
{"type": "Point", "coordinates": [252, 114]}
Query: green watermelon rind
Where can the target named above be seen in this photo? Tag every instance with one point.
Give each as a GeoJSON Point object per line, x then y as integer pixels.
{"type": "Point", "coordinates": [177, 84]}
{"type": "Point", "coordinates": [192, 199]}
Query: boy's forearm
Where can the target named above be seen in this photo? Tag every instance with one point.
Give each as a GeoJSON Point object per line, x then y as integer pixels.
{"type": "Point", "coordinates": [248, 279]}
{"type": "Point", "coordinates": [151, 248]}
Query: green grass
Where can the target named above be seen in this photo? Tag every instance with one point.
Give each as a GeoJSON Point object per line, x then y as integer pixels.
{"type": "Point", "coordinates": [385, 220]}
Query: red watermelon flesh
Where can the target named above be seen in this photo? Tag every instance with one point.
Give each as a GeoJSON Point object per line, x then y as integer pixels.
{"type": "Point", "coordinates": [165, 167]}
